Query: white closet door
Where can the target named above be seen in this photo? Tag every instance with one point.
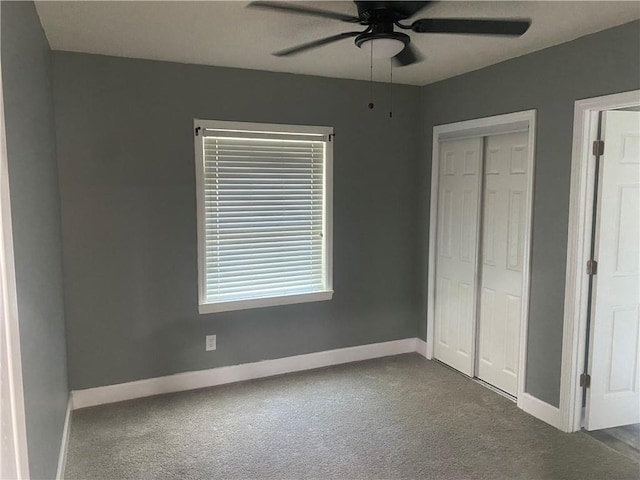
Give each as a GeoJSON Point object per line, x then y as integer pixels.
{"type": "Point", "coordinates": [502, 255]}
{"type": "Point", "coordinates": [614, 396]}
{"type": "Point", "coordinates": [456, 252]}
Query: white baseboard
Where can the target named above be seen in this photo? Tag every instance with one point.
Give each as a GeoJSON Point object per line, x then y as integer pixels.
{"type": "Point", "coordinates": [266, 368]}
{"type": "Point", "coordinates": [236, 373]}
{"type": "Point", "coordinates": [541, 410]}
{"type": "Point", "coordinates": [421, 347]}
{"type": "Point", "coordinates": [64, 443]}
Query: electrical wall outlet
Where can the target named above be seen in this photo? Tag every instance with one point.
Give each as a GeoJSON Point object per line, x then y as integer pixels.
{"type": "Point", "coordinates": [211, 343]}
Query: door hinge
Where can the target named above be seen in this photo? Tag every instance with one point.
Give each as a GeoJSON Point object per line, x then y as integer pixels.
{"type": "Point", "coordinates": [585, 380]}
{"type": "Point", "coordinates": [592, 267]}
{"type": "Point", "coordinates": [598, 147]}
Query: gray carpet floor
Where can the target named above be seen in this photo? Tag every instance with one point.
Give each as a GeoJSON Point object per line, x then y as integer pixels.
{"type": "Point", "coordinates": [395, 417]}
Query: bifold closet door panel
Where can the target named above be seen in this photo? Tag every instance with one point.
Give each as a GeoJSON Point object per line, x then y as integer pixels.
{"type": "Point", "coordinates": [456, 252]}
{"type": "Point", "coordinates": [504, 199]}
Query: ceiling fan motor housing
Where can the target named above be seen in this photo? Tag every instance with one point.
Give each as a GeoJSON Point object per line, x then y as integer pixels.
{"type": "Point", "coordinates": [372, 12]}
{"type": "Point", "coordinates": [380, 17]}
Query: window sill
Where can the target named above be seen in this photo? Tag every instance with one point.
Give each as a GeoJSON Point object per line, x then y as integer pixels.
{"type": "Point", "coordinates": [265, 302]}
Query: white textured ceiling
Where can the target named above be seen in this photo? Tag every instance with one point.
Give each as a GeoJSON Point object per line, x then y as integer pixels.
{"type": "Point", "coordinates": [226, 33]}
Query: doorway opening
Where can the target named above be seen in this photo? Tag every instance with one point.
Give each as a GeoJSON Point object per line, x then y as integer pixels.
{"type": "Point", "coordinates": [600, 390]}
{"type": "Point", "coordinates": [479, 248]}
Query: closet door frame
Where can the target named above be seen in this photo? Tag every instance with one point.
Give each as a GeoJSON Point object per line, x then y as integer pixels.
{"type": "Point", "coordinates": [482, 127]}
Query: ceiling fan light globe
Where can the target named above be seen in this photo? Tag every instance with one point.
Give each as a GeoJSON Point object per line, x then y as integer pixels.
{"type": "Point", "coordinates": [384, 47]}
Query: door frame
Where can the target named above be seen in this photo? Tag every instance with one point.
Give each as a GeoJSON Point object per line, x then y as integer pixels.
{"type": "Point", "coordinates": [582, 191]}
{"type": "Point", "coordinates": [494, 125]}
{"type": "Point", "coordinates": [9, 311]}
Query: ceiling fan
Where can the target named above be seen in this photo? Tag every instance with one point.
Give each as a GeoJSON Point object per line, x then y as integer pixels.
{"type": "Point", "coordinates": [379, 18]}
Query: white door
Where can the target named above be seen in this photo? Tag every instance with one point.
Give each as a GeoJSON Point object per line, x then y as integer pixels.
{"type": "Point", "coordinates": [501, 272]}
{"type": "Point", "coordinates": [456, 252]}
{"type": "Point", "coordinates": [614, 396]}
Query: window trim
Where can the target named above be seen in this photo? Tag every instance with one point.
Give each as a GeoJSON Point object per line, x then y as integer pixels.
{"type": "Point", "coordinates": [201, 126]}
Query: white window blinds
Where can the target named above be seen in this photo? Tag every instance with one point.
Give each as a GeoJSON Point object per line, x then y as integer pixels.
{"type": "Point", "coordinates": [264, 215]}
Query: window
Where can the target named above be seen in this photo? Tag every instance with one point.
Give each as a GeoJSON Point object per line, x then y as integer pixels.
{"type": "Point", "coordinates": [264, 214]}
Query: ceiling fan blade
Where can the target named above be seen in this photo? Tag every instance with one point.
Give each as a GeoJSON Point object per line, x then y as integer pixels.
{"type": "Point", "coordinates": [315, 44]}
{"type": "Point", "coordinates": [297, 9]}
{"type": "Point", "coordinates": [471, 26]}
{"type": "Point", "coordinates": [408, 56]}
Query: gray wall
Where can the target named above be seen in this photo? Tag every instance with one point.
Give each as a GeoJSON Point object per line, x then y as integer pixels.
{"type": "Point", "coordinates": [126, 166]}
{"type": "Point", "coordinates": [549, 81]}
{"type": "Point", "coordinates": [31, 149]}
{"type": "Point", "coordinates": [128, 202]}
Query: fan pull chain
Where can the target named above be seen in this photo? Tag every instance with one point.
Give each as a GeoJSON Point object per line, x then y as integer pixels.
{"type": "Point", "coordinates": [391, 88]}
{"type": "Point", "coordinates": [371, 79]}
